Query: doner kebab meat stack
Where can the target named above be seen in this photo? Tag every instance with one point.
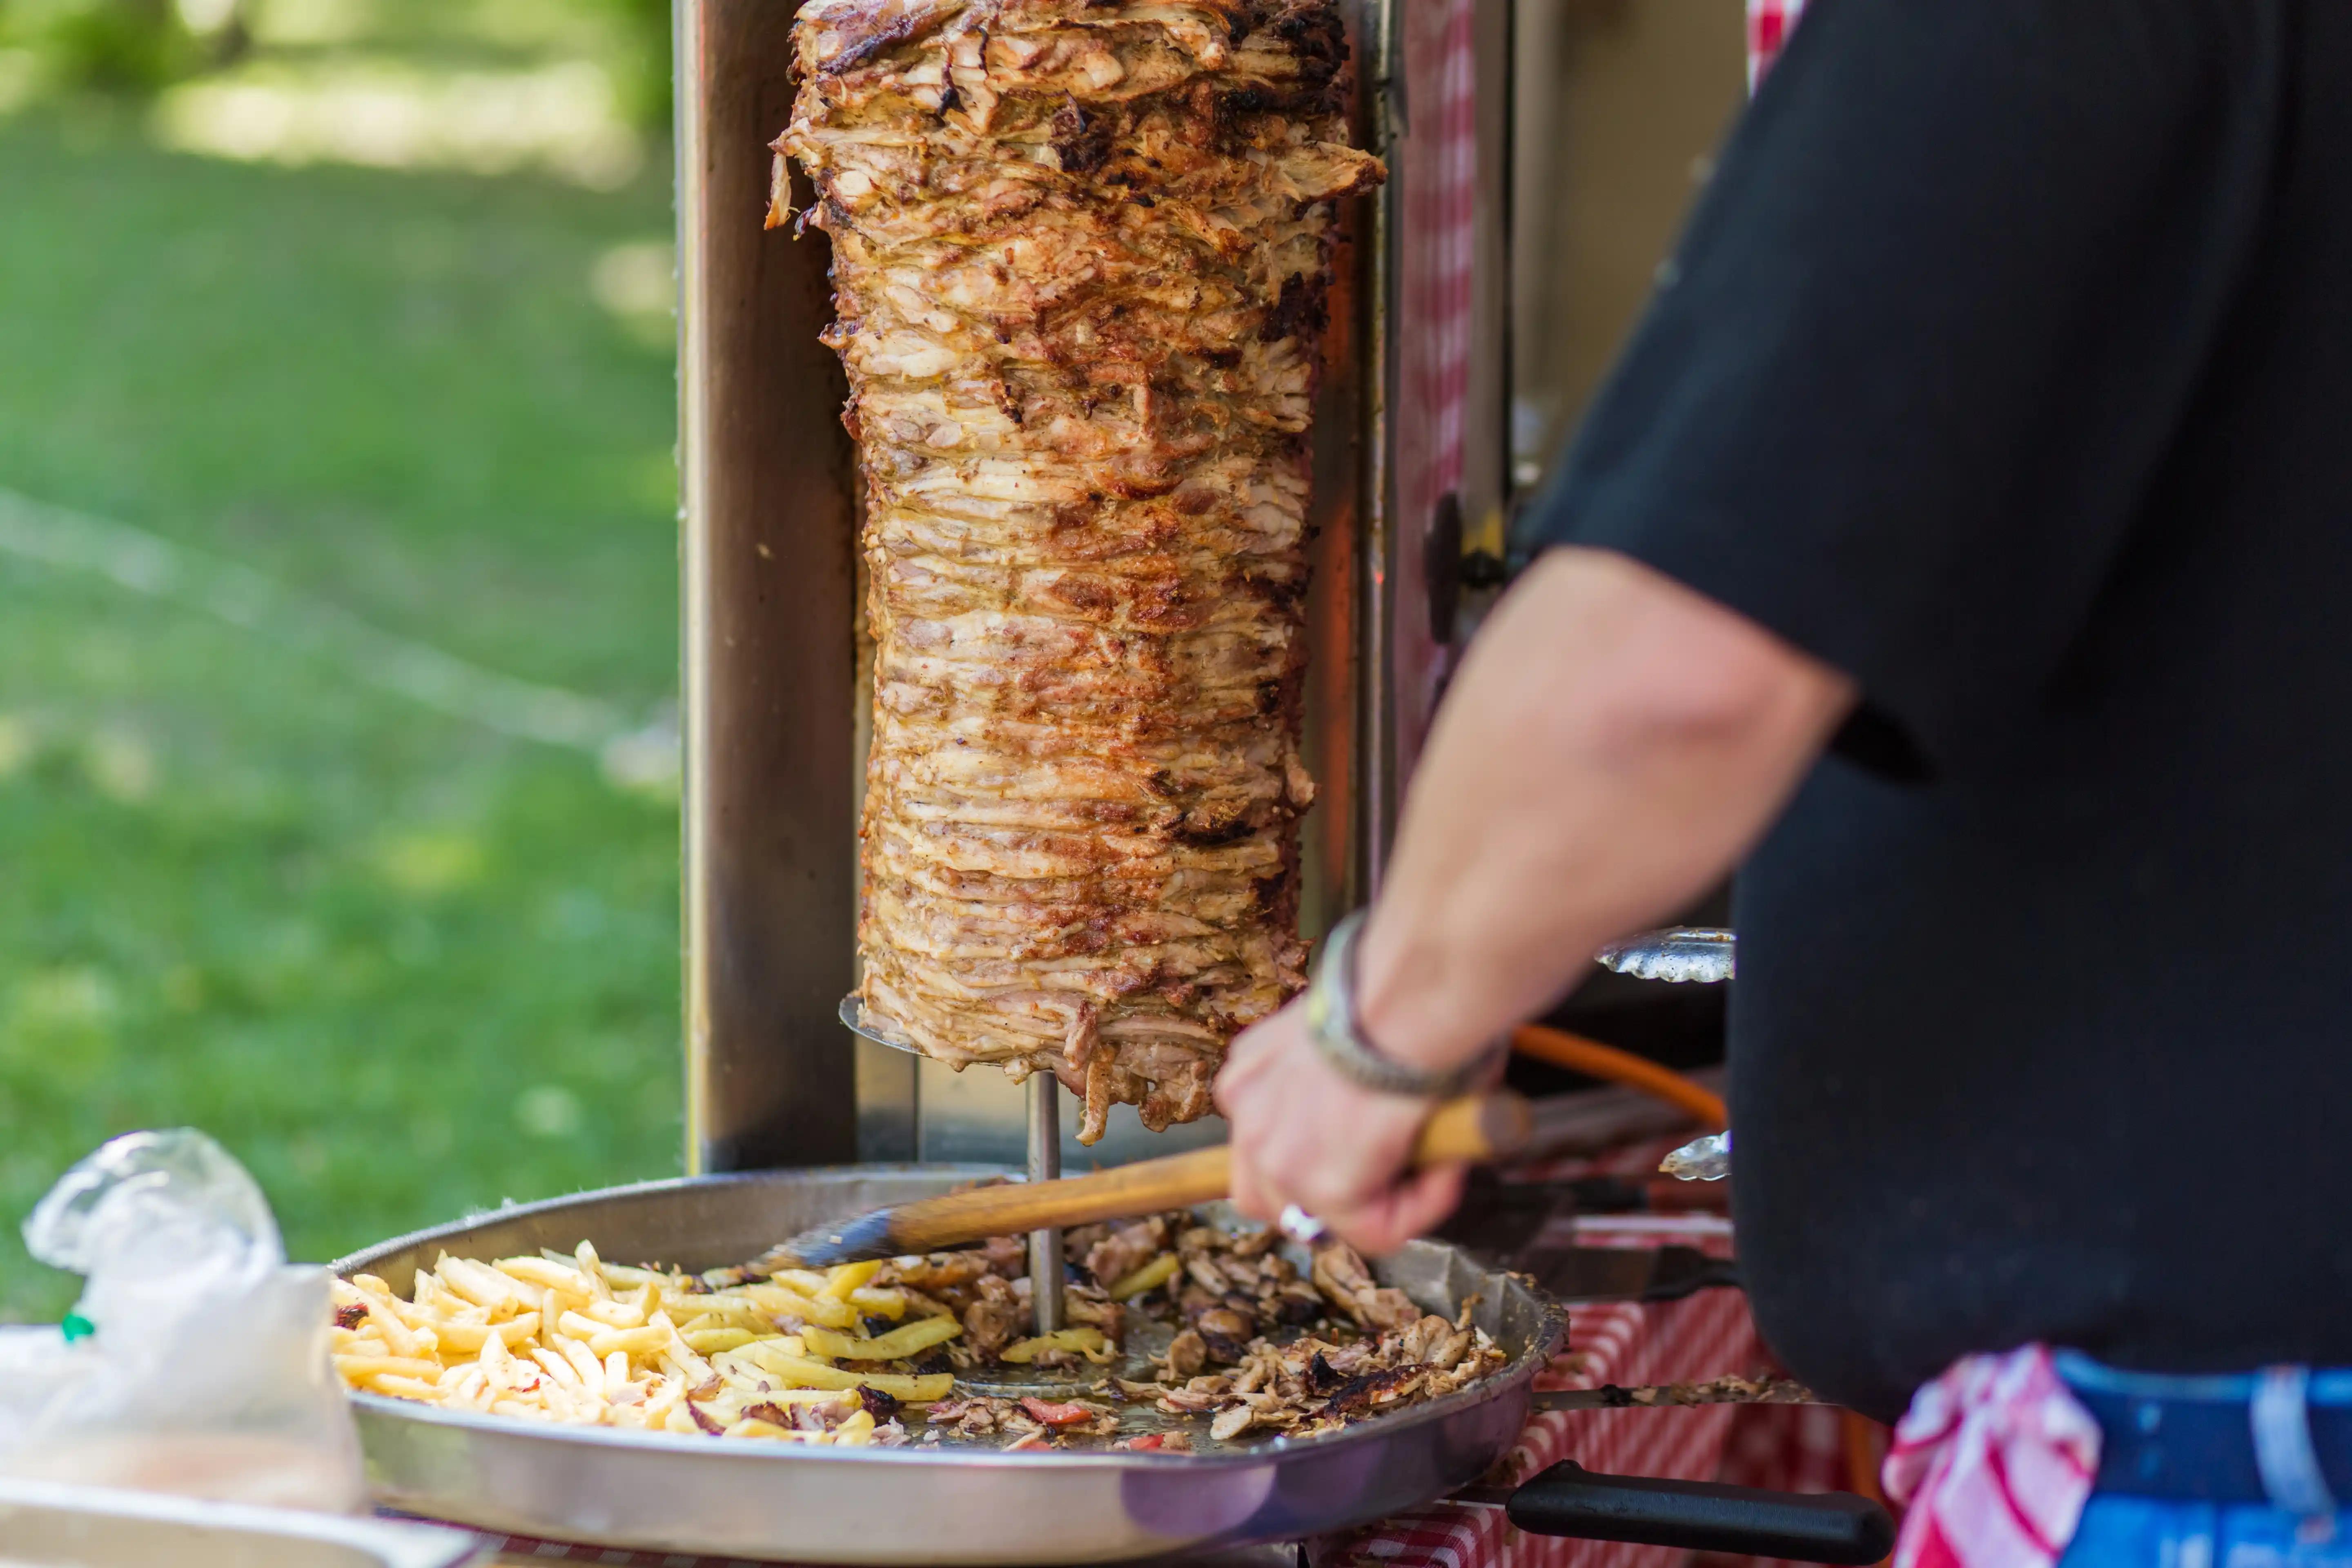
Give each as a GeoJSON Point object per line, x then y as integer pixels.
{"type": "Point", "coordinates": [1081, 255]}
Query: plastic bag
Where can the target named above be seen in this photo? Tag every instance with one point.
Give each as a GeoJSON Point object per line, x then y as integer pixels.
{"type": "Point", "coordinates": [198, 1361]}
{"type": "Point", "coordinates": [1706, 1159]}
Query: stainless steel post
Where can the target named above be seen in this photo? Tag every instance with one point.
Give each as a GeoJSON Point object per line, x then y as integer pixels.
{"type": "Point", "coordinates": [1044, 1165]}
{"type": "Point", "coordinates": [771, 530]}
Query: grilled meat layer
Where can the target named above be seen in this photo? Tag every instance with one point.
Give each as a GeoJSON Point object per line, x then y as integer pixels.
{"type": "Point", "coordinates": [1081, 264]}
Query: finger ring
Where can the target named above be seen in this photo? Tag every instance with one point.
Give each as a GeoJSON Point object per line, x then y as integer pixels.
{"type": "Point", "coordinates": [1299, 1226]}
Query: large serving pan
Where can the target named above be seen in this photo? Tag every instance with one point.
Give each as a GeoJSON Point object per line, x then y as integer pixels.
{"type": "Point", "coordinates": [948, 1504]}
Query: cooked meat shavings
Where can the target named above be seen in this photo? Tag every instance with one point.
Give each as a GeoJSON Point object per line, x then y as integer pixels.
{"type": "Point", "coordinates": [976, 1416]}
{"type": "Point", "coordinates": [1225, 1335]}
{"type": "Point", "coordinates": [1187, 1354]}
{"type": "Point", "coordinates": [1340, 1275]}
{"type": "Point", "coordinates": [1312, 1385]}
{"type": "Point", "coordinates": [1113, 1255]}
{"type": "Point", "coordinates": [996, 1317]}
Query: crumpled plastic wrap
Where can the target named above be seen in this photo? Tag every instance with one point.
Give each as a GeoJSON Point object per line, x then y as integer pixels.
{"type": "Point", "coordinates": [198, 1360]}
{"type": "Point", "coordinates": [1706, 1159]}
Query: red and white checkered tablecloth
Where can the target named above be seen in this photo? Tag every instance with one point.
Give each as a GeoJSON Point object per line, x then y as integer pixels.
{"type": "Point", "coordinates": [1628, 1343]}
{"type": "Point", "coordinates": [1697, 1337]}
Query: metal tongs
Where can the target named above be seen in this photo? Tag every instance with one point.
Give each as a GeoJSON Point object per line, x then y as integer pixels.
{"type": "Point", "coordinates": [1682, 955]}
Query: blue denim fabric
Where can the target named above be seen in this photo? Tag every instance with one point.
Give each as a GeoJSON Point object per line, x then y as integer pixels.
{"type": "Point", "coordinates": [2120, 1532]}
{"type": "Point", "coordinates": [2297, 1528]}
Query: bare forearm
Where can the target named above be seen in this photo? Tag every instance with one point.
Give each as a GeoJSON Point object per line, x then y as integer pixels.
{"type": "Point", "coordinates": [1613, 745]}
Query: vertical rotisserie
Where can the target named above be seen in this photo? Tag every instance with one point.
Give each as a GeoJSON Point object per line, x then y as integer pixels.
{"type": "Point", "coordinates": [1082, 255]}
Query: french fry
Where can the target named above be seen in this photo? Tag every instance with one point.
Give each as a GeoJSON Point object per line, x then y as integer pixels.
{"type": "Point", "coordinates": [884, 1302]}
{"type": "Point", "coordinates": [679, 1356]}
{"type": "Point", "coordinates": [1086, 1340]}
{"type": "Point", "coordinates": [545, 1274]}
{"type": "Point", "coordinates": [420, 1320]}
{"type": "Point", "coordinates": [559, 1367]}
{"type": "Point", "coordinates": [806, 1282]}
{"type": "Point", "coordinates": [589, 1366]}
{"type": "Point", "coordinates": [1150, 1276]}
{"type": "Point", "coordinates": [360, 1368]}
{"type": "Point", "coordinates": [848, 1276]}
{"type": "Point", "coordinates": [437, 1301]}
{"type": "Point", "coordinates": [798, 1371]}
{"type": "Point", "coordinates": [403, 1340]}
{"type": "Point", "coordinates": [483, 1286]}
{"type": "Point", "coordinates": [592, 1269]}
{"type": "Point", "coordinates": [472, 1338]}
{"type": "Point", "coordinates": [576, 1340]}
{"type": "Point", "coordinates": [897, 1345]}
{"type": "Point", "coordinates": [789, 1303]}
{"type": "Point", "coordinates": [580, 1326]}
{"type": "Point", "coordinates": [735, 1311]}
{"type": "Point", "coordinates": [647, 1340]}
{"type": "Point", "coordinates": [663, 1399]}
{"type": "Point", "coordinates": [795, 1396]}
{"type": "Point", "coordinates": [625, 1278]}
{"type": "Point", "coordinates": [616, 1313]}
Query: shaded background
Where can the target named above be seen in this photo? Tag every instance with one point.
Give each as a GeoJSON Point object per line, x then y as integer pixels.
{"type": "Point", "coordinates": [339, 582]}
{"type": "Point", "coordinates": [338, 601]}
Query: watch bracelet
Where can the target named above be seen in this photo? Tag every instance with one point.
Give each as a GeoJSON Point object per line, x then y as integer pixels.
{"type": "Point", "coordinates": [1340, 1041]}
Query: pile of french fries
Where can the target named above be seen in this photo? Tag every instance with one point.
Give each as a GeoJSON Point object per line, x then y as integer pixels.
{"type": "Point", "coordinates": [580, 1340]}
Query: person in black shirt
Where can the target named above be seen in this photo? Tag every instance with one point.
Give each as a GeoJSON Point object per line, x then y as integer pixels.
{"type": "Point", "coordinates": [1962, 548]}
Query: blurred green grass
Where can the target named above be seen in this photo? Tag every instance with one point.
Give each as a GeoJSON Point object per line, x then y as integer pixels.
{"type": "Point", "coordinates": [403, 968]}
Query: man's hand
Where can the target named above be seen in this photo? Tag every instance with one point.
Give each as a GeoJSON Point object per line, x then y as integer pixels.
{"type": "Point", "coordinates": [1302, 1134]}
{"type": "Point", "coordinates": [1613, 746]}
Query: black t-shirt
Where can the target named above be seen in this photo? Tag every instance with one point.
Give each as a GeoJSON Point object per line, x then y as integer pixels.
{"type": "Point", "coordinates": [2007, 367]}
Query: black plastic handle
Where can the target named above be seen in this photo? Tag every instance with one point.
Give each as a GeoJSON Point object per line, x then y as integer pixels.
{"type": "Point", "coordinates": [1704, 1516]}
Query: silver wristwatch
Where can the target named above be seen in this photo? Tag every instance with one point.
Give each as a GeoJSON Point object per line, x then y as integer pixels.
{"type": "Point", "coordinates": [1331, 1025]}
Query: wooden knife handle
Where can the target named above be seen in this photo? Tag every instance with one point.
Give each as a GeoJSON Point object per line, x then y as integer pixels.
{"type": "Point", "coordinates": [1476, 1128]}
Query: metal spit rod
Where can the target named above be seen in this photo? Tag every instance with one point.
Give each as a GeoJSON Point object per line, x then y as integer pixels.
{"type": "Point", "coordinates": [1045, 1166]}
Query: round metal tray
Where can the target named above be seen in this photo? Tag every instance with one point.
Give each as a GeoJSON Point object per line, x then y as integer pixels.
{"type": "Point", "coordinates": [932, 1504]}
